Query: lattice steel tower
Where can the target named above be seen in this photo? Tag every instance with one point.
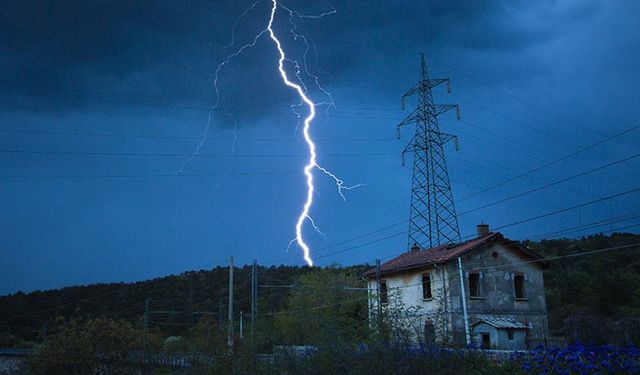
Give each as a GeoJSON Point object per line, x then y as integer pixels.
{"type": "Point", "coordinates": [433, 219]}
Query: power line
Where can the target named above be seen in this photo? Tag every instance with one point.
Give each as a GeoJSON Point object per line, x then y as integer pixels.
{"type": "Point", "coordinates": [74, 94]}
{"type": "Point", "coordinates": [170, 155]}
{"type": "Point", "coordinates": [555, 161]}
{"type": "Point", "coordinates": [152, 136]}
{"type": "Point", "coordinates": [608, 165]}
{"type": "Point", "coordinates": [551, 213]}
{"type": "Point", "coordinates": [594, 224]}
{"type": "Point", "coordinates": [182, 175]}
{"type": "Point", "coordinates": [500, 201]}
{"type": "Point", "coordinates": [319, 307]}
{"type": "Point", "coordinates": [574, 255]}
{"type": "Point", "coordinates": [602, 199]}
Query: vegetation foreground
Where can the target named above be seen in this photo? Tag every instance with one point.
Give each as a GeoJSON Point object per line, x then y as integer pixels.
{"type": "Point", "coordinates": [107, 347]}
{"type": "Point", "coordinates": [315, 321]}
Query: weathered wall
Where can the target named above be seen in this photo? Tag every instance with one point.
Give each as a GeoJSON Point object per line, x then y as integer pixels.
{"type": "Point", "coordinates": [497, 296]}
{"type": "Point", "coordinates": [497, 267]}
{"type": "Point", "coordinates": [405, 291]}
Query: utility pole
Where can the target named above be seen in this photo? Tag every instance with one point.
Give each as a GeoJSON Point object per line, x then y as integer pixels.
{"type": "Point", "coordinates": [241, 326]}
{"type": "Point", "coordinates": [230, 316]}
{"type": "Point", "coordinates": [463, 294]}
{"type": "Point", "coordinates": [433, 219]}
{"type": "Point", "coordinates": [220, 315]}
{"type": "Point", "coordinates": [254, 300]}
{"type": "Point", "coordinates": [191, 299]}
{"type": "Point", "coordinates": [378, 301]}
{"type": "Point", "coordinates": [145, 330]}
{"type": "Point", "coordinates": [45, 328]}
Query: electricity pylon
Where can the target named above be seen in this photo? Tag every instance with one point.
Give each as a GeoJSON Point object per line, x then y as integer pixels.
{"type": "Point", "coordinates": [433, 220]}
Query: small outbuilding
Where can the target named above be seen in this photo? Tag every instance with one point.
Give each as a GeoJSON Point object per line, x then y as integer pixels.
{"type": "Point", "coordinates": [499, 333]}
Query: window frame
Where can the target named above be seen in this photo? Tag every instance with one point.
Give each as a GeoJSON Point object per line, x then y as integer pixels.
{"type": "Point", "coordinates": [384, 293]}
{"type": "Point", "coordinates": [478, 287]}
{"type": "Point", "coordinates": [427, 294]}
{"type": "Point", "coordinates": [522, 296]}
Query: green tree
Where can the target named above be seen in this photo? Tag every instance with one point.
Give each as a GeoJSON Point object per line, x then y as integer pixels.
{"type": "Point", "coordinates": [322, 309]}
{"type": "Point", "coordinates": [97, 346]}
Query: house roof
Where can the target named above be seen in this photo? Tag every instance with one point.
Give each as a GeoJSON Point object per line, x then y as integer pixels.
{"type": "Point", "coordinates": [506, 323]}
{"type": "Point", "coordinates": [444, 253]}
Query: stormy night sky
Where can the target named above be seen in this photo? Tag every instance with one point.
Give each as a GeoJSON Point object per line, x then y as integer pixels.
{"type": "Point", "coordinates": [102, 102]}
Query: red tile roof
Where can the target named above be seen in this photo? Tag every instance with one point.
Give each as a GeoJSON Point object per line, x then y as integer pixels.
{"type": "Point", "coordinates": [440, 254]}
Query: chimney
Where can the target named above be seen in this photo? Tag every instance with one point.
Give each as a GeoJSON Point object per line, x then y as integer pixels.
{"type": "Point", "coordinates": [483, 230]}
{"type": "Point", "coordinates": [415, 248]}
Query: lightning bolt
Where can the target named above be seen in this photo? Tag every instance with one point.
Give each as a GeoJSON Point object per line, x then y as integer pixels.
{"type": "Point", "coordinates": [304, 215]}
{"type": "Point", "coordinates": [312, 161]}
{"type": "Point", "coordinates": [301, 90]}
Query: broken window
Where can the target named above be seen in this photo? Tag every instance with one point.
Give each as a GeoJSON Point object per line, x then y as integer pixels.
{"type": "Point", "coordinates": [384, 299]}
{"type": "Point", "coordinates": [518, 284]}
{"type": "Point", "coordinates": [474, 284]}
{"type": "Point", "coordinates": [426, 286]}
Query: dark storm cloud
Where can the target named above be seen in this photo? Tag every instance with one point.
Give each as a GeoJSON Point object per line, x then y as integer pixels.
{"type": "Point", "coordinates": [97, 54]}
{"type": "Point", "coordinates": [389, 27]}
{"type": "Point", "coordinates": [107, 49]}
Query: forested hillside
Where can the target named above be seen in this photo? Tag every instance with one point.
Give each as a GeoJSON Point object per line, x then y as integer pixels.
{"type": "Point", "coordinates": [599, 292]}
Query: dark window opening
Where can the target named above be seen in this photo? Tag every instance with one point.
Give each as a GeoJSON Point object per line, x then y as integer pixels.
{"type": "Point", "coordinates": [426, 286]}
{"type": "Point", "coordinates": [474, 284]}
{"type": "Point", "coordinates": [510, 334]}
{"type": "Point", "coordinates": [486, 341]}
{"type": "Point", "coordinates": [384, 299]}
{"type": "Point", "coordinates": [518, 284]}
{"type": "Point", "coordinates": [429, 333]}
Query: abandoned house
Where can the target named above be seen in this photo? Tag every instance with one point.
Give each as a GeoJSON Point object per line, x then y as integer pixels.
{"type": "Point", "coordinates": [503, 305]}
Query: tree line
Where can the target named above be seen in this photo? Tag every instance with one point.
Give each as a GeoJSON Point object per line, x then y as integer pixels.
{"type": "Point", "coordinates": [589, 298]}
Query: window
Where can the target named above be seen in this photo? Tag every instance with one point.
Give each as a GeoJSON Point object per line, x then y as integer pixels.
{"type": "Point", "coordinates": [426, 286]}
{"type": "Point", "coordinates": [510, 334]}
{"type": "Point", "coordinates": [383, 293]}
{"type": "Point", "coordinates": [474, 284]}
{"type": "Point", "coordinates": [518, 285]}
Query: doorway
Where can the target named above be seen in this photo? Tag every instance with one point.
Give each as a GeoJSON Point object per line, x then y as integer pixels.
{"type": "Point", "coordinates": [486, 340]}
{"type": "Point", "coordinates": [429, 333]}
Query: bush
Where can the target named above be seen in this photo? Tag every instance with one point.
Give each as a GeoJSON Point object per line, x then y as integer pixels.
{"type": "Point", "coordinates": [98, 346]}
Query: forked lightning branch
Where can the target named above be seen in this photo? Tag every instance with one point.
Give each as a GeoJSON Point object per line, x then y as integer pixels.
{"type": "Point", "coordinates": [300, 89]}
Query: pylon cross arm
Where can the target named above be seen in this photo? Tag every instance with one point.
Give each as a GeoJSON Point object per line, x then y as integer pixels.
{"type": "Point", "coordinates": [412, 118]}
{"type": "Point", "coordinates": [410, 147]}
{"type": "Point", "coordinates": [426, 84]}
{"type": "Point", "coordinates": [438, 109]}
{"type": "Point", "coordinates": [446, 137]}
